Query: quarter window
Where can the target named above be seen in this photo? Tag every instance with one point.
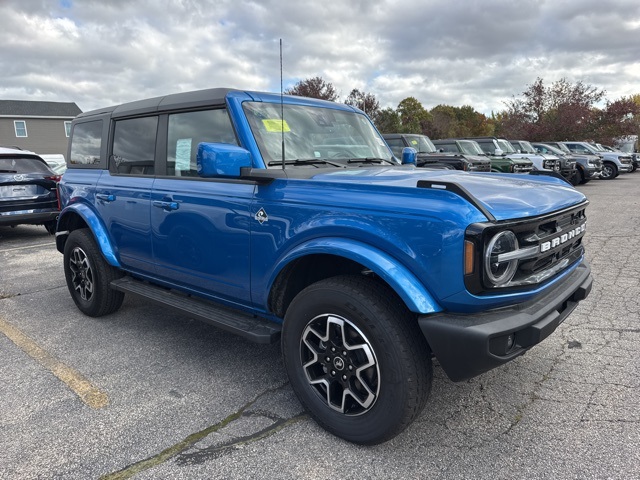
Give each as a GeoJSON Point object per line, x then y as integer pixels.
{"type": "Point", "coordinates": [85, 143]}
{"type": "Point", "coordinates": [67, 129]}
{"type": "Point", "coordinates": [187, 130]}
{"type": "Point", "coordinates": [134, 146]}
{"type": "Point", "coordinates": [21, 128]}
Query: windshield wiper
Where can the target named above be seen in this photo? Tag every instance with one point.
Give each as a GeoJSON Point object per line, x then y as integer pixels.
{"type": "Point", "coordinates": [306, 161]}
{"type": "Point", "coordinates": [8, 171]}
{"type": "Point", "coordinates": [371, 160]}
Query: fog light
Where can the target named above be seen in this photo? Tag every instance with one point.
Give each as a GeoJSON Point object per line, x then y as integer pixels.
{"type": "Point", "coordinates": [503, 345]}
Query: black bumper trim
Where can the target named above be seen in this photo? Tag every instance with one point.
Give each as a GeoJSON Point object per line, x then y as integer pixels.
{"type": "Point", "coordinates": [465, 345]}
{"type": "Point", "coordinates": [36, 218]}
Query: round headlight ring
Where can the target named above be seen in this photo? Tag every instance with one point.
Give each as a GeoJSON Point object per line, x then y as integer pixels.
{"type": "Point", "coordinates": [500, 273]}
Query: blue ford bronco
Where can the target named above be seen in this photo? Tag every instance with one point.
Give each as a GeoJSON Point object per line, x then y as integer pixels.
{"type": "Point", "coordinates": [289, 219]}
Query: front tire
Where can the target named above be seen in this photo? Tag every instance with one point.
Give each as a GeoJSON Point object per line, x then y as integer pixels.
{"type": "Point", "coordinates": [89, 276]}
{"type": "Point", "coordinates": [356, 358]}
{"type": "Point", "coordinates": [609, 171]}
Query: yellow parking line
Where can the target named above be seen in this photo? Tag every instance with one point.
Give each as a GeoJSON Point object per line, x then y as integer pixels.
{"type": "Point", "coordinates": [78, 384]}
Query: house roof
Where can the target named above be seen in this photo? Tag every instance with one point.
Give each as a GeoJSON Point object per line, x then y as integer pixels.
{"type": "Point", "coordinates": [28, 108]}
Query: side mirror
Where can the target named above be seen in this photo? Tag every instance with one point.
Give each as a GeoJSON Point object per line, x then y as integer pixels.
{"type": "Point", "coordinates": [498, 151]}
{"type": "Point", "coordinates": [409, 155]}
{"type": "Point", "coordinates": [221, 160]}
{"type": "Point", "coordinates": [441, 150]}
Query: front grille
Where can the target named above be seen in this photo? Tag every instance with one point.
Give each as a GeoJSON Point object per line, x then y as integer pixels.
{"type": "Point", "coordinates": [553, 243]}
{"type": "Point", "coordinates": [559, 239]}
{"type": "Point", "coordinates": [480, 167]}
{"type": "Point", "coordinates": [522, 168]}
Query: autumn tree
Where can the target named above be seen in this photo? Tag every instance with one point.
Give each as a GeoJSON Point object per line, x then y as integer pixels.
{"type": "Point", "coordinates": [388, 121]}
{"type": "Point", "coordinates": [315, 87]}
{"type": "Point", "coordinates": [560, 111]}
{"type": "Point", "coordinates": [618, 119]}
{"type": "Point", "coordinates": [448, 121]}
{"type": "Point", "coordinates": [366, 102]}
{"type": "Point", "coordinates": [413, 116]}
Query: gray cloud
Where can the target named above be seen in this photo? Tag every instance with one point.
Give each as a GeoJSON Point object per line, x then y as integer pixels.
{"type": "Point", "coordinates": [477, 53]}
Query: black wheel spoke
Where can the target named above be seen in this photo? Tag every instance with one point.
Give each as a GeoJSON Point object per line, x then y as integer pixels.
{"type": "Point", "coordinates": [340, 364]}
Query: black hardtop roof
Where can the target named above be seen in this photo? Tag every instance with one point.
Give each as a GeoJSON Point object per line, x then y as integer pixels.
{"type": "Point", "coordinates": [449, 140]}
{"type": "Point", "coordinates": [194, 99]}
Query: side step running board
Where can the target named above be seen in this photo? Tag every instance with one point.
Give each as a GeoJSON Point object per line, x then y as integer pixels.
{"type": "Point", "coordinates": [248, 326]}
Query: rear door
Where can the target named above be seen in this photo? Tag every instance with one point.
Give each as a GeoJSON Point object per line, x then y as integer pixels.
{"type": "Point", "coordinates": [123, 192]}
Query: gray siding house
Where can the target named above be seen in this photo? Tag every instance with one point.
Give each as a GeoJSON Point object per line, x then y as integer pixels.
{"type": "Point", "coordinates": [42, 127]}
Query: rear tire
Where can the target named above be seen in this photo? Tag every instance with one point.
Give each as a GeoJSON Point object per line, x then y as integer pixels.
{"type": "Point", "coordinates": [356, 358]}
{"type": "Point", "coordinates": [89, 276]}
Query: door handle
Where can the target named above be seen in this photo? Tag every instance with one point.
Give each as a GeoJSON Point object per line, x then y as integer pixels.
{"type": "Point", "coordinates": [106, 197]}
{"type": "Point", "coordinates": [165, 205]}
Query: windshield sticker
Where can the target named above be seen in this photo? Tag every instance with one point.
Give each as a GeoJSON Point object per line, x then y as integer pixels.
{"type": "Point", "coordinates": [414, 142]}
{"type": "Point", "coordinates": [275, 125]}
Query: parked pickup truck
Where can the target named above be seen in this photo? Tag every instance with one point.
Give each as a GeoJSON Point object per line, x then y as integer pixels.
{"type": "Point", "coordinates": [289, 219]}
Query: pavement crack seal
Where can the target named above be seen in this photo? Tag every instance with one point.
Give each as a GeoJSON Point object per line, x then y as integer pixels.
{"type": "Point", "coordinates": [83, 388]}
{"type": "Point", "coordinates": [194, 438]}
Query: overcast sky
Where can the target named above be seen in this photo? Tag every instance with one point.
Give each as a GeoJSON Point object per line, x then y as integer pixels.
{"type": "Point", "coordinates": [479, 53]}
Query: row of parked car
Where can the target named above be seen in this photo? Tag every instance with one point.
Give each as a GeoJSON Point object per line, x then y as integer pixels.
{"type": "Point", "coordinates": [28, 181]}
{"type": "Point", "coordinates": [578, 162]}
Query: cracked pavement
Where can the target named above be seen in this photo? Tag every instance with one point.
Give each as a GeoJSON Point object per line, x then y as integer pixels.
{"type": "Point", "coordinates": [188, 401]}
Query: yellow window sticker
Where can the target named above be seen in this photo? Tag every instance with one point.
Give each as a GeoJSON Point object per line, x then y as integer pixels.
{"type": "Point", "coordinates": [275, 125]}
{"type": "Point", "coordinates": [414, 142]}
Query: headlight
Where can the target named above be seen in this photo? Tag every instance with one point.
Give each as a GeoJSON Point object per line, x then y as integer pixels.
{"type": "Point", "coordinates": [499, 266]}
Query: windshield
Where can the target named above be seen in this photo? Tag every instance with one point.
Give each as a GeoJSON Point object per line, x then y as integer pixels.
{"type": "Point", "coordinates": [563, 147]}
{"type": "Point", "coordinates": [506, 146]}
{"type": "Point", "coordinates": [313, 133]}
{"type": "Point", "coordinates": [470, 147]}
{"type": "Point", "coordinates": [552, 149]}
{"type": "Point", "coordinates": [597, 147]}
{"type": "Point", "coordinates": [421, 143]}
{"type": "Point", "coordinates": [527, 147]}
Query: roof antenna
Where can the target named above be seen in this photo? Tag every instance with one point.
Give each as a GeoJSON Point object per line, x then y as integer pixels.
{"type": "Point", "coordinates": [281, 107]}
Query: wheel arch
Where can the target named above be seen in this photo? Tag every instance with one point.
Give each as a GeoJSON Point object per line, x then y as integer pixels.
{"type": "Point", "coordinates": [81, 216]}
{"type": "Point", "coordinates": [323, 258]}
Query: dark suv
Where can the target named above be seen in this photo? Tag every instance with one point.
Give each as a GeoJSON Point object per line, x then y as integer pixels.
{"type": "Point", "coordinates": [28, 190]}
{"type": "Point", "coordinates": [428, 153]}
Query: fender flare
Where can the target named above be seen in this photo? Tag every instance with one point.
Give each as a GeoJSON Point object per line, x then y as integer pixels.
{"type": "Point", "coordinates": [405, 283]}
{"type": "Point", "coordinates": [96, 226]}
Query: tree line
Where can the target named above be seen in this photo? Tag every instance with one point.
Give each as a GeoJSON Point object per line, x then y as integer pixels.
{"type": "Point", "coordinates": [560, 111]}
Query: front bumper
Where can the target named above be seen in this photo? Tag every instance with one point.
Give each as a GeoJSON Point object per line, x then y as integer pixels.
{"type": "Point", "coordinates": [469, 345]}
{"type": "Point", "coordinates": [593, 173]}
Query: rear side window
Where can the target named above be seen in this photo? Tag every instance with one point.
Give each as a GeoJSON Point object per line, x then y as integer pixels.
{"type": "Point", "coordinates": [23, 165]}
{"type": "Point", "coordinates": [187, 130]}
{"type": "Point", "coordinates": [85, 143]}
{"type": "Point", "coordinates": [396, 145]}
{"type": "Point", "coordinates": [447, 147]}
{"type": "Point", "coordinates": [134, 146]}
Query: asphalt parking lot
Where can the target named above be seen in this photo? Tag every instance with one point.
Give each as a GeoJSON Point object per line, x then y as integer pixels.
{"type": "Point", "coordinates": [148, 394]}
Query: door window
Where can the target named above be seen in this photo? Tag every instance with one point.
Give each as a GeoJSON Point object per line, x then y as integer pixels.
{"type": "Point", "coordinates": [187, 130]}
{"type": "Point", "coordinates": [134, 146]}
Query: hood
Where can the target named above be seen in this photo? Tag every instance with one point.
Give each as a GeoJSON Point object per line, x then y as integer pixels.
{"type": "Point", "coordinates": [505, 196]}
